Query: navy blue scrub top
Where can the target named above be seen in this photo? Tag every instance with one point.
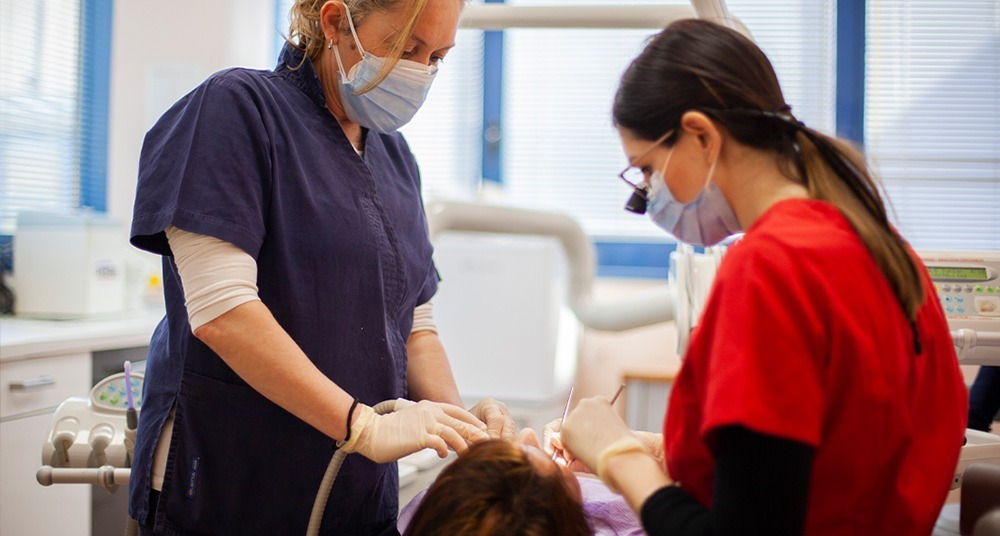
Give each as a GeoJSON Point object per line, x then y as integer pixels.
{"type": "Point", "coordinates": [256, 159]}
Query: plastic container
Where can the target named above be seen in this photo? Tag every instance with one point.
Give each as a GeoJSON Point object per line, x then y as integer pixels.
{"type": "Point", "coordinates": [68, 265]}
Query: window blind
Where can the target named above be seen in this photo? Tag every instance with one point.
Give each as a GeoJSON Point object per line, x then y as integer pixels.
{"type": "Point", "coordinates": [40, 138]}
{"type": "Point", "coordinates": [560, 149]}
{"type": "Point", "coordinates": [932, 117]}
{"type": "Point", "coordinates": [446, 134]}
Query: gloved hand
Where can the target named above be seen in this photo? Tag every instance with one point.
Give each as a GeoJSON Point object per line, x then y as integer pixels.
{"type": "Point", "coordinates": [413, 426]}
{"type": "Point", "coordinates": [593, 431]}
{"type": "Point", "coordinates": [499, 424]}
{"type": "Point", "coordinates": [652, 442]}
{"type": "Point", "coordinates": [552, 444]}
{"type": "Point", "coordinates": [550, 437]}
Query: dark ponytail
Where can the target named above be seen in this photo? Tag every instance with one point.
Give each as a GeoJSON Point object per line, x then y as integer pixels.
{"type": "Point", "coordinates": [699, 65]}
{"type": "Point", "coordinates": [836, 172]}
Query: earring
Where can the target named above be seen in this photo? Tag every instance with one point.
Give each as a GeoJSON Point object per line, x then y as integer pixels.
{"type": "Point", "coordinates": [330, 45]}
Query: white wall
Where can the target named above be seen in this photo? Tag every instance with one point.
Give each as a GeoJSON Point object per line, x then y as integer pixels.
{"type": "Point", "coordinates": [160, 50]}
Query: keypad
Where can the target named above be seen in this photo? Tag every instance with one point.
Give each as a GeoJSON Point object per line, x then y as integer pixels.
{"type": "Point", "coordinates": [112, 393]}
{"type": "Point", "coordinates": [958, 299]}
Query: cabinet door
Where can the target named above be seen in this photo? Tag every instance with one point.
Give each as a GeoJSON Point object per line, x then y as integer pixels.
{"type": "Point", "coordinates": [30, 385]}
{"type": "Point", "coordinates": [26, 507]}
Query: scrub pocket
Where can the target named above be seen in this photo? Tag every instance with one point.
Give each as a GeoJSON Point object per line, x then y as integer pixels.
{"type": "Point", "coordinates": [239, 464]}
{"type": "Point", "coordinates": [233, 467]}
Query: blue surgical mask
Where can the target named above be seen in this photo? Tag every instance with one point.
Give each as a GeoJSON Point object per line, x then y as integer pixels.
{"type": "Point", "coordinates": [394, 101]}
{"type": "Point", "coordinates": [704, 221]}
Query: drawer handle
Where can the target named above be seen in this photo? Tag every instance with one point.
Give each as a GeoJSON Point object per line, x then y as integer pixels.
{"type": "Point", "coordinates": [32, 383]}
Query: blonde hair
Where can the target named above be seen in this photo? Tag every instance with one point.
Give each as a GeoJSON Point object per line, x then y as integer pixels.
{"type": "Point", "coordinates": [306, 33]}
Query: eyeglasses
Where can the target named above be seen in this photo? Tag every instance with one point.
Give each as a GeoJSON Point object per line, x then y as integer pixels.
{"type": "Point", "coordinates": [637, 179]}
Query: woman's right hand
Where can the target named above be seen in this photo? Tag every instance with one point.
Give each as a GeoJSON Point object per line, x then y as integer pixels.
{"type": "Point", "coordinates": [413, 427]}
{"type": "Point", "coordinates": [552, 444]}
{"type": "Point", "coordinates": [590, 429]}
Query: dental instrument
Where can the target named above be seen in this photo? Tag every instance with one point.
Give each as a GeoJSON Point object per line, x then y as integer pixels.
{"type": "Point", "coordinates": [563, 419]}
{"type": "Point", "coordinates": [618, 392]}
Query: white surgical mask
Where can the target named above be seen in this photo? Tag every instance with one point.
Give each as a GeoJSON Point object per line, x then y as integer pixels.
{"type": "Point", "coordinates": [704, 221]}
{"type": "Point", "coordinates": [394, 101]}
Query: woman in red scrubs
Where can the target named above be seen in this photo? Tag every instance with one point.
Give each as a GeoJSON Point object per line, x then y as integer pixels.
{"type": "Point", "coordinates": [820, 393]}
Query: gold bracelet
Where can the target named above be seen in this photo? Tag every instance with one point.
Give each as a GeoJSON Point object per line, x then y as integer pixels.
{"type": "Point", "coordinates": [626, 444]}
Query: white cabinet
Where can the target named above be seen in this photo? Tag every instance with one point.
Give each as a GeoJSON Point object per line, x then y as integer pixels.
{"type": "Point", "coordinates": [30, 390]}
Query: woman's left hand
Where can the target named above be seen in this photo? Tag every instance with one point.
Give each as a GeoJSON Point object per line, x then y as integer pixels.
{"type": "Point", "coordinates": [494, 413]}
{"type": "Point", "coordinates": [590, 428]}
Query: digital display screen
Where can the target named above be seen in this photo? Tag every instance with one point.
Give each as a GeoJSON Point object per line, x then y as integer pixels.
{"type": "Point", "coordinates": [957, 273]}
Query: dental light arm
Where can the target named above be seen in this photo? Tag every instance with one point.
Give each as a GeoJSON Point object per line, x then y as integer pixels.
{"type": "Point", "coordinates": [641, 310]}
{"type": "Point", "coordinates": [502, 16]}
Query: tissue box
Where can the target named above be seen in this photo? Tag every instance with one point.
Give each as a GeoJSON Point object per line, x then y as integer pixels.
{"type": "Point", "coordinates": [68, 265]}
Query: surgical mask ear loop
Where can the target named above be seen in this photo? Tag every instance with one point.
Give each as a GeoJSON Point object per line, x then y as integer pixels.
{"type": "Point", "coordinates": [663, 170]}
{"type": "Point", "coordinates": [711, 169]}
{"type": "Point", "coordinates": [357, 41]}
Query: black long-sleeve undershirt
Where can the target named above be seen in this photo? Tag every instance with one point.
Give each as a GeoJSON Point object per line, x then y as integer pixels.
{"type": "Point", "coordinates": [761, 486]}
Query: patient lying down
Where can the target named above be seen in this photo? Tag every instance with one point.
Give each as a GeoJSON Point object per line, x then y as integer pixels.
{"type": "Point", "coordinates": [502, 488]}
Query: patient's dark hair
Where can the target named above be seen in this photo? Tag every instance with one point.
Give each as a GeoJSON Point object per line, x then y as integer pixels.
{"type": "Point", "coordinates": [493, 490]}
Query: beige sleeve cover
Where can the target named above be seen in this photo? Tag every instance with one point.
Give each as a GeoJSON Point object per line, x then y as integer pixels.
{"type": "Point", "coordinates": [216, 275]}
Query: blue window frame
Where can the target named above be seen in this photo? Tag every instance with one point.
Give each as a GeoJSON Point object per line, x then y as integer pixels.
{"type": "Point", "coordinates": [851, 70]}
{"type": "Point", "coordinates": [54, 117]}
{"type": "Point", "coordinates": [94, 94]}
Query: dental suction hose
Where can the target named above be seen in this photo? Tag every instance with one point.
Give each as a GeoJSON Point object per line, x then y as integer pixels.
{"type": "Point", "coordinates": [319, 505]}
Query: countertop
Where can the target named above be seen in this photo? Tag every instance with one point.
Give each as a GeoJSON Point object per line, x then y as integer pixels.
{"type": "Point", "coordinates": [22, 338]}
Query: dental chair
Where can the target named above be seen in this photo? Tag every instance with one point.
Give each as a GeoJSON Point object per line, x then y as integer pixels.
{"type": "Point", "coordinates": [979, 514]}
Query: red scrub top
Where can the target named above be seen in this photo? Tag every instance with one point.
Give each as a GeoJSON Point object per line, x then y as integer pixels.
{"type": "Point", "coordinates": [802, 338]}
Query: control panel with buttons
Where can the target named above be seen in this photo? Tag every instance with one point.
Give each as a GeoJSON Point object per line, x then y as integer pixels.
{"type": "Point", "coordinates": [966, 288]}
{"type": "Point", "coordinates": [968, 285]}
{"type": "Point", "coordinates": [112, 393]}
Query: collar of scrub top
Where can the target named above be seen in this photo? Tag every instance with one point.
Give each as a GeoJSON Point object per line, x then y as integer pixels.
{"type": "Point", "coordinates": [294, 66]}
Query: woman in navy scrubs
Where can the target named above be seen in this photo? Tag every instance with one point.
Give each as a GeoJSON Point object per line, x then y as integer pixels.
{"type": "Point", "coordinates": [297, 277]}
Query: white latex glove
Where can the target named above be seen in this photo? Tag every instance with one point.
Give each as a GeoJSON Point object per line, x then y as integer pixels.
{"type": "Point", "coordinates": [499, 424]}
{"type": "Point", "coordinates": [413, 426]}
{"type": "Point", "coordinates": [593, 430]}
{"type": "Point", "coordinates": [653, 443]}
{"type": "Point", "coordinates": [552, 443]}
{"type": "Point", "coordinates": [550, 437]}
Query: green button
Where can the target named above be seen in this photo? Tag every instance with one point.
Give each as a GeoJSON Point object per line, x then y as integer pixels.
{"type": "Point", "coordinates": [991, 290]}
{"type": "Point", "coordinates": [979, 288]}
{"type": "Point", "coordinates": [114, 401]}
